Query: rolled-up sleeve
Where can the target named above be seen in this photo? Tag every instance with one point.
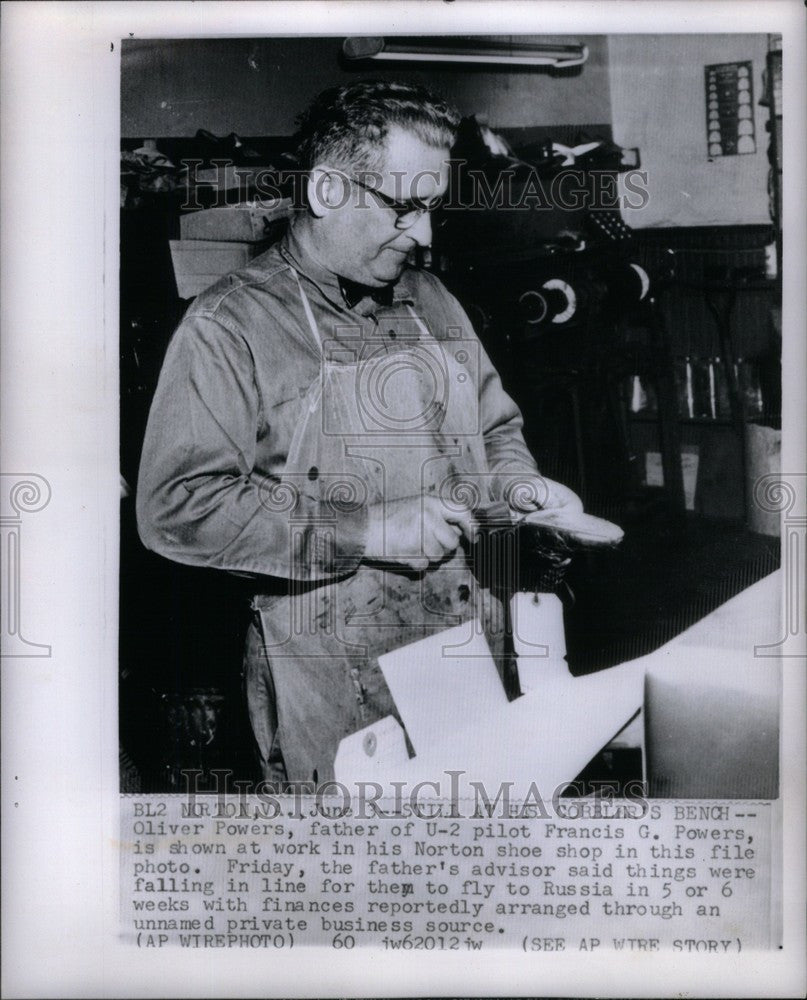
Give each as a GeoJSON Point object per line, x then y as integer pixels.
{"type": "Point", "coordinates": [200, 499]}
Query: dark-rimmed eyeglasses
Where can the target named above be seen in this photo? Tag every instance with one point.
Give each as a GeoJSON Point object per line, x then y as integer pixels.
{"type": "Point", "coordinates": [407, 213]}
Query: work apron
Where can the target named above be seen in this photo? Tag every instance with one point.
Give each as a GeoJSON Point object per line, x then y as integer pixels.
{"type": "Point", "coordinates": [375, 426]}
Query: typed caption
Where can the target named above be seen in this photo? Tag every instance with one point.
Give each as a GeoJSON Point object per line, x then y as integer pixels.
{"type": "Point", "coordinates": [579, 876]}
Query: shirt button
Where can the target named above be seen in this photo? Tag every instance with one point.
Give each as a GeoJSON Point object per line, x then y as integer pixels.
{"type": "Point", "coordinates": [392, 334]}
{"type": "Point", "coordinates": [313, 473]}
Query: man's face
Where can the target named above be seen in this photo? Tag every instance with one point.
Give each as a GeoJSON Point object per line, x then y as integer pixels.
{"type": "Point", "coordinates": [364, 243]}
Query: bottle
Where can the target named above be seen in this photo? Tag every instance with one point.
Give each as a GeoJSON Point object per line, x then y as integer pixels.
{"type": "Point", "coordinates": [723, 404]}
{"type": "Point", "coordinates": [750, 387]}
{"type": "Point", "coordinates": [638, 396]}
{"type": "Point", "coordinates": [683, 381]}
{"type": "Point", "coordinates": [701, 405]}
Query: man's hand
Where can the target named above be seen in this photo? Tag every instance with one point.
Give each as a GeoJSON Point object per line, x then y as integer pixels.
{"type": "Point", "coordinates": [416, 531]}
{"type": "Point", "coordinates": [544, 495]}
{"type": "Point", "coordinates": [557, 514]}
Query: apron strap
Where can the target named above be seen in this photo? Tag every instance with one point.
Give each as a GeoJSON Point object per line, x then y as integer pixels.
{"type": "Point", "coordinates": [309, 315]}
{"type": "Point", "coordinates": [419, 321]}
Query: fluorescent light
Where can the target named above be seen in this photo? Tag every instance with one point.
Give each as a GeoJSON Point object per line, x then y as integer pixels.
{"type": "Point", "coordinates": [463, 50]}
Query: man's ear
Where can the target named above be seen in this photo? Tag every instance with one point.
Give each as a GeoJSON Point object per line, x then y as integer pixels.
{"type": "Point", "coordinates": [326, 189]}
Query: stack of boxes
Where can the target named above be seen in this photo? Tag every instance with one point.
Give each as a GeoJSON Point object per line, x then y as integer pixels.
{"type": "Point", "coordinates": [215, 241]}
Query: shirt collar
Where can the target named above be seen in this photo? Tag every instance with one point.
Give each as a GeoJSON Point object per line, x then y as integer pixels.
{"type": "Point", "coordinates": [342, 292]}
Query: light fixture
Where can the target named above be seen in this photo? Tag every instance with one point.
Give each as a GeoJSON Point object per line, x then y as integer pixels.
{"type": "Point", "coordinates": [465, 50]}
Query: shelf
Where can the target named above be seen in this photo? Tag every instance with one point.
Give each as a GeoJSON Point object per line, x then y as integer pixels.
{"type": "Point", "coordinates": [652, 418]}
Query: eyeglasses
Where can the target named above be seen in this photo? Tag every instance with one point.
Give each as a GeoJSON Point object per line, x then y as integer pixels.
{"type": "Point", "coordinates": [407, 213]}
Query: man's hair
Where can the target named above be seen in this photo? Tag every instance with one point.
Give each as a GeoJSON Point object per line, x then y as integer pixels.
{"type": "Point", "coordinates": [347, 126]}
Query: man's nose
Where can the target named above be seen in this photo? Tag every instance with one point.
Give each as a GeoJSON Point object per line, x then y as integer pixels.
{"type": "Point", "coordinates": [421, 231]}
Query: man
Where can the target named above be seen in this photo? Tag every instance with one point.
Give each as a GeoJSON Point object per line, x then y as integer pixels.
{"type": "Point", "coordinates": [327, 422]}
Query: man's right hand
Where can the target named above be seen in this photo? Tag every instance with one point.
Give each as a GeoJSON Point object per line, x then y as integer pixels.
{"type": "Point", "coordinates": [416, 531]}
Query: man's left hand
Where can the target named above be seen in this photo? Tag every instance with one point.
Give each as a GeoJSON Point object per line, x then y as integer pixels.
{"type": "Point", "coordinates": [541, 494]}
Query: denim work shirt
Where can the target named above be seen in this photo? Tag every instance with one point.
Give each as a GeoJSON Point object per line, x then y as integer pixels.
{"type": "Point", "coordinates": [240, 454]}
{"type": "Point", "coordinates": [232, 391]}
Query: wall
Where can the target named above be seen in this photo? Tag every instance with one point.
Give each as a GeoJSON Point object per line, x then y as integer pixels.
{"type": "Point", "coordinates": [658, 104]}
{"type": "Point", "coordinates": [257, 87]}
